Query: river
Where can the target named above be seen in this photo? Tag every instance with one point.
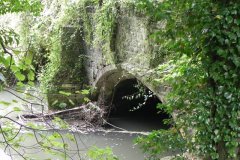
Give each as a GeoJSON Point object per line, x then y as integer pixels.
{"type": "Point", "coordinates": [121, 143]}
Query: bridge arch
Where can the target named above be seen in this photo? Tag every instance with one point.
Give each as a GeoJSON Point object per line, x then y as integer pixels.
{"type": "Point", "coordinates": [106, 81]}
{"type": "Point", "coordinates": [115, 87]}
{"type": "Point", "coordinates": [118, 94]}
{"type": "Point", "coordinates": [109, 77]}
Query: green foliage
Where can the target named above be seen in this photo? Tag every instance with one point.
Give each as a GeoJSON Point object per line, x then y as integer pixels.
{"type": "Point", "coordinates": [12, 59]}
{"type": "Point", "coordinates": [51, 69]}
{"type": "Point", "coordinates": [60, 123]}
{"type": "Point", "coordinates": [65, 93]}
{"type": "Point", "coordinates": [68, 97]}
{"type": "Point", "coordinates": [105, 17]}
{"type": "Point", "coordinates": [53, 36]}
{"type": "Point", "coordinates": [96, 153]}
{"type": "Point", "coordinates": [9, 132]}
{"type": "Point", "coordinates": [202, 39]}
{"type": "Point", "coordinates": [162, 141]}
{"type": "Point", "coordinates": [11, 6]}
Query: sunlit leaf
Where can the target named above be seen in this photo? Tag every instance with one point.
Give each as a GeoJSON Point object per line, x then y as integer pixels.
{"type": "Point", "coordinates": [65, 93]}
{"type": "Point", "coordinates": [30, 75]}
{"type": "Point", "coordinates": [20, 76]}
{"type": "Point", "coordinates": [28, 61]}
{"type": "Point", "coordinates": [85, 92]}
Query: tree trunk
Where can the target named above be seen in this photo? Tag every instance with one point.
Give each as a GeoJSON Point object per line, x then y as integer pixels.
{"type": "Point", "coordinates": [221, 150]}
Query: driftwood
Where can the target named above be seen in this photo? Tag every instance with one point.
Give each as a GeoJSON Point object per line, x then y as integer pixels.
{"type": "Point", "coordinates": [67, 113]}
{"type": "Point", "coordinates": [89, 113]}
{"type": "Point", "coordinates": [84, 117]}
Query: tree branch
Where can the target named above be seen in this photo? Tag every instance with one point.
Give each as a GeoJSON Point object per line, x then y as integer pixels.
{"type": "Point", "coordinates": [7, 52]}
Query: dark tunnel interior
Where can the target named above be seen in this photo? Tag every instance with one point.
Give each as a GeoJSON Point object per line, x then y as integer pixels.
{"type": "Point", "coordinates": [134, 107]}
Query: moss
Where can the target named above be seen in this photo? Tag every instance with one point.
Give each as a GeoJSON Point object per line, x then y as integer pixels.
{"type": "Point", "coordinates": [94, 26]}
{"type": "Point", "coordinates": [65, 96]}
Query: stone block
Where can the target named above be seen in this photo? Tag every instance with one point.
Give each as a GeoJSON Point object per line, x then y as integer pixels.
{"type": "Point", "coordinates": [66, 96]}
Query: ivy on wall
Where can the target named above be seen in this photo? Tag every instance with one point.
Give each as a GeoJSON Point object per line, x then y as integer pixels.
{"type": "Point", "coordinates": [202, 40]}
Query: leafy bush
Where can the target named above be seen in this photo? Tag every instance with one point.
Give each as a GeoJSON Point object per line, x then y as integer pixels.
{"type": "Point", "coordinates": [202, 40]}
{"type": "Point", "coordinates": [96, 153]}
{"type": "Point", "coordinates": [162, 141]}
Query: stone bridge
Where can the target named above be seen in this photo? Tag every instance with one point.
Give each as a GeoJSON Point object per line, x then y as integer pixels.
{"type": "Point", "coordinates": [132, 56]}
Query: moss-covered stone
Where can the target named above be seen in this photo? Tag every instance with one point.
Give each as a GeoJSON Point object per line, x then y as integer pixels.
{"type": "Point", "coordinates": [65, 96]}
{"type": "Point", "coordinates": [71, 75]}
{"type": "Point", "coordinates": [128, 47]}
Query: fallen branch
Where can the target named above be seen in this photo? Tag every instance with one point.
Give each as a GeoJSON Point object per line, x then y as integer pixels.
{"type": "Point", "coordinates": [61, 114]}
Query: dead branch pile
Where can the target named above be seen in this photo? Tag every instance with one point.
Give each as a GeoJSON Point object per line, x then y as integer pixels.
{"type": "Point", "coordinates": [89, 113]}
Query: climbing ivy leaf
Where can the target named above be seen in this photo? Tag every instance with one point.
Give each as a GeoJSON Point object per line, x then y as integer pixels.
{"type": "Point", "coordinates": [20, 76]}
{"type": "Point", "coordinates": [30, 75]}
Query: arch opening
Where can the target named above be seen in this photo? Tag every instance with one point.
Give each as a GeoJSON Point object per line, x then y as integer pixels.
{"type": "Point", "coordinates": [133, 107]}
